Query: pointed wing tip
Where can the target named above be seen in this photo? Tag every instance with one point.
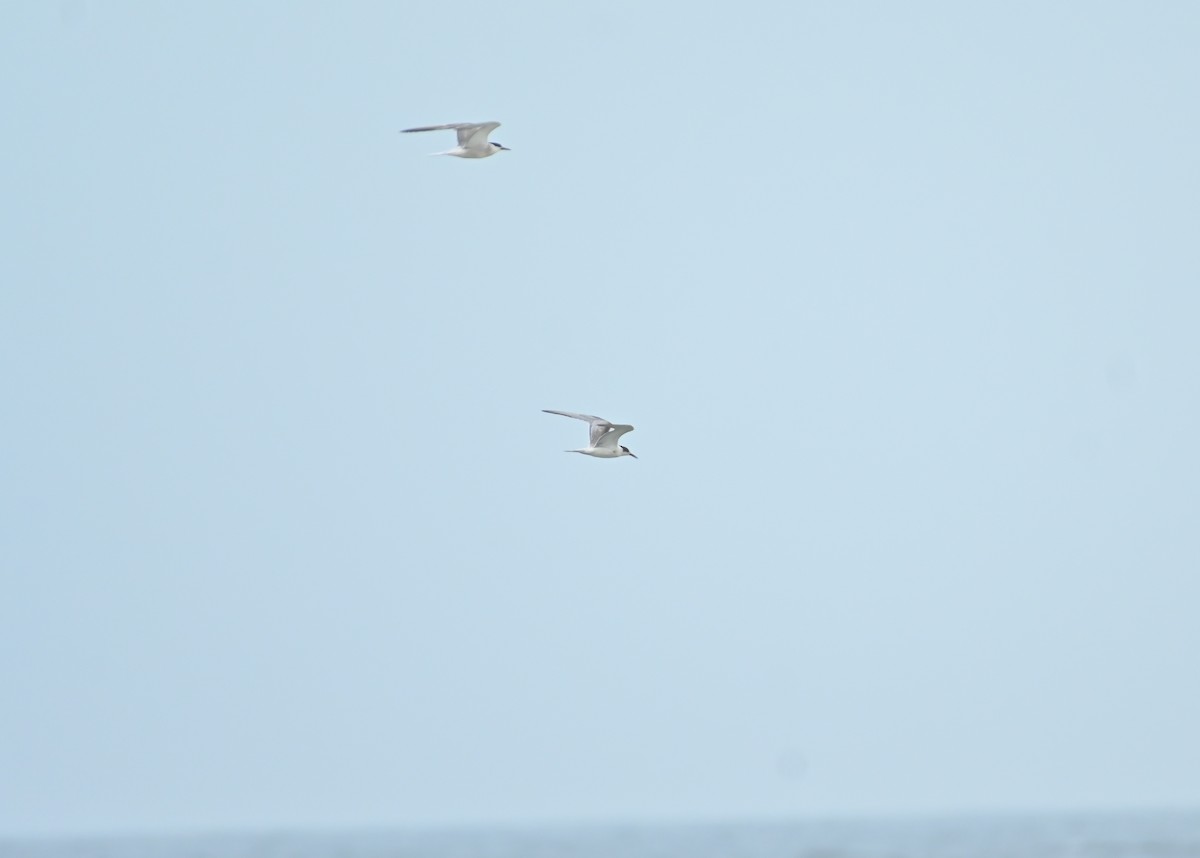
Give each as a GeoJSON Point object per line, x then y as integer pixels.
{"type": "Point", "coordinates": [570, 414]}
{"type": "Point", "coordinates": [452, 126]}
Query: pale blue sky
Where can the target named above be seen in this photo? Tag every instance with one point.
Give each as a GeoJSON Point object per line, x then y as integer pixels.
{"type": "Point", "coordinates": [902, 299]}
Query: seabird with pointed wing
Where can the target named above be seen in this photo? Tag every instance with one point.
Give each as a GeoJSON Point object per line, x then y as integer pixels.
{"type": "Point", "coordinates": [472, 138]}
{"type": "Point", "coordinates": [602, 438]}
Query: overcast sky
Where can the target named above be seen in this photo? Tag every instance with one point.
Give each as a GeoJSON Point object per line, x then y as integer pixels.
{"type": "Point", "coordinates": [903, 300]}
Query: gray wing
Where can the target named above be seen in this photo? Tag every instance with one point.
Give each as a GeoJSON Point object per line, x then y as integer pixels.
{"type": "Point", "coordinates": [612, 435]}
{"type": "Point", "coordinates": [453, 126]}
{"type": "Point", "coordinates": [476, 135]}
{"type": "Point", "coordinates": [466, 130]}
{"type": "Point", "coordinates": [599, 425]}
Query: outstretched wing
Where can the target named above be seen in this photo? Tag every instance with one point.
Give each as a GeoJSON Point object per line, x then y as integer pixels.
{"type": "Point", "coordinates": [599, 425]}
{"type": "Point", "coordinates": [453, 126]}
{"type": "Point", "coordinates": [476, 135]}
{"type": "Point", "coordinates": [466, 130]}
{"type": "Point", "coordinates": [611, 435]}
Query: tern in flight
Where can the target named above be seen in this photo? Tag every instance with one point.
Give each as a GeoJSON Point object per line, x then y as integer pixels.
{"type": "Point", "coordinates": [603, 437]}
{"type": "Point", "coordinates": [472, 139]}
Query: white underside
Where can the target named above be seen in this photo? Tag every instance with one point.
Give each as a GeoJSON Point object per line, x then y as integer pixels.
{"type": "Point", "coordinates": [460, 152]}
{"type": "Point", "coordinates": [601, 452]}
